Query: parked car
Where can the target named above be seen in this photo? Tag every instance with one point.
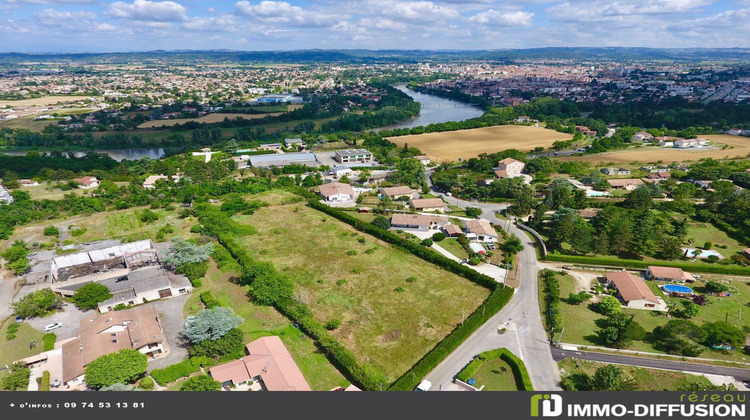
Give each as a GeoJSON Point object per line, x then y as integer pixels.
{"type": "Point", "coordinates": [424, 386]}
{"type": "Point", "coordinates": [19, 318]}
{"type": "Point", "coordinates": [54, 326]}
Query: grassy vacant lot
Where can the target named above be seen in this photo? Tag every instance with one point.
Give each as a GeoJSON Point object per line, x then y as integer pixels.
{"type": "Point", "coordinates": [646, 379]}
{"type": "Point", "coordinates": [451, 145]}
{"type": "Point", "coordinates": [451, 245]}
{"type": "Point", "coordinates": [393, 306]}
{"type": "Point", "coordinates": [495, 375]}
{"type": "Point", "coordinates": [43, 101]}
{"type": "Point", "coordinates": [737, 147]}
{"type": "Point", "coordinates": [701, 233]}
{"type": "Point", "coordinates": [118, 224]}
{"type": "Point", "coordinates": [18, 348]}
{"type": "Point", "coordinates": [263, 321]}
{"type": "Point", "coordinates": [48, 191]}
{"type": "Point", "coordinates": [580, 321]}
{"type": "Point", "coordinates": [208, 119]}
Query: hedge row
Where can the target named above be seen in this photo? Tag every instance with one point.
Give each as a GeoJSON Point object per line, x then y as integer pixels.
{"type": "Point", "coordinates": [551, 290]}
{"type": "Point", "coordinates": [49, 341]}
{"type": "Point", "coordinates": [427, 254]}
{"type": "Point", "coordinates": [696, 268]}
{"type": "Point", "coordinates": [45, 381]}
{"type": "Point", "coordinates": [209, 301]}
{"type": "Point", "coordinates": [363, 375]}
{"type": "Point", "coordinates": [523, 381]}
{"type": "Point", "coordinates": [497, 299]}
{"type": "Point", "coordinates": [179, 370]}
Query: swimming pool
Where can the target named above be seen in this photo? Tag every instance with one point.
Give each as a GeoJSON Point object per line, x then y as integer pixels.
{"type": "Point", "coordinates": [676, 288]}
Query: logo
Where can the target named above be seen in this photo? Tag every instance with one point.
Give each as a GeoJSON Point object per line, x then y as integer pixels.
{"type": "Point", "coordinates": [551, 405]}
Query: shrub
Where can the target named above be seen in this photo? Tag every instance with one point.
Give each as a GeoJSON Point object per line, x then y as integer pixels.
{"type": "Point", "coordinates": [208, 300]}
{"type": "Point", "coordinates": [125, 366]}
{"type": "Point", "coordinates": [333, 324]}
{"type": "Point", "coordinates": [193, 271]}
{"type": "Point", "coordinates": [178, 370]}
{"type": "Point", "coordinates": [411, 279]}
{"type": "Point", "coordinates": [426, 242]}
{"type": "Point", "coordinates": [578, 298]}
{"type": "Point", "coordinates": [44, 386]}
{"type": "Point", "coordinates": [381, 222]}
{"type": "Point", "coordinates": [716, 287]}
{"type": "Point", "coordinates": [351, 252]}
{"type": "Point", "coordinates": [708, 245]}
{"type": "Point", "coordinates": [608, 305]}
{"type": "Point", "coordinates": [341, 282]}
{"type": "Point", "coordinates": [78, 232]}
{"type": "Point", "coordinates": [148, 216]}
{"type": "Point", "coordinates": [10, 334]}
{"type": "Point", "coordinates": [146, 384]}
{"type": "Point", "coordinates": [268, 288]}
{"type": "Point", "coordinates": [398, 289]}
{"type": "Point", "coordinates": [49, 341]}
{"type": "Point", "coordinates": [201, 383]}
{"type": "Point", "coordinates": [474, 261]}
{"type": "Point", "coordinates": [231, 342]}
{"type": "Point", "coordinates": [16, 378]}
{"type": "Point", "coordinates": [51, 231]}
{"type": "Point", "coordinates": [440, 236]}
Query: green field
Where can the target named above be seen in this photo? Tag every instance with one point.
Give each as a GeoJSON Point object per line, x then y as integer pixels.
{"type": "Point", "coordinates": [260, 321]}
{"type": "Point", "coordinates": [451, 245]}
{"type": "Point", "coordinates": [386, 321]}
{"type": "Point", "coordinates": [701, 233]}
{"type": "Point", "coordinates": [495, 375]}
{"type": "Point", "coordinates": [18, 348]}
{"type": "Point", "coordinates": [646, 379]}
{"type": "Point", "coordinates": [580, 326]}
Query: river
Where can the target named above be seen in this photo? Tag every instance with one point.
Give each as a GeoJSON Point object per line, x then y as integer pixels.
{"type": "Point", "coordinates": [436, 109]}
{"type": "Point", "coordinates": [116, 154]}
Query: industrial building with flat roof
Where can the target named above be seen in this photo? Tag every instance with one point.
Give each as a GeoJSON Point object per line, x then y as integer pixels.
{"type": "Point", "coordinates": [283, 159]}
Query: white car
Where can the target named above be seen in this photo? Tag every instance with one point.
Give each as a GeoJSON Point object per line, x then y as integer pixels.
{"type": "Point", "coordinates": [54, 326]}
{"type": "Point", "coordinates": [424, 386]}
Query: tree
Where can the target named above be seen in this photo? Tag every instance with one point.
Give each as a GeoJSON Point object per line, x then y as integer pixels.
{"type": "Point", "coordinates": [37, 303]}
{"type": "Point", "coordinates": [681, 337]}
{"type": "Point", "coordinates": [619, 330]}
{"type": "Point", "coordinates": [608, 305]}
{"type": "Point", "coordinates": [148, 216]}
{"type": "Point", "coordinates": [578, 298]}
{"type": "Point", "coordinates": [381, 222]}
{"type": "Point", "coordinates": [201, 383]}
{"type": "Point", "coordinates": [638, 199]}
{"type": "Point", "coordinates": [210, 324]}
{"type": "Point", "coordinates": [269, 288]}
{"type": "Point", "coordinates": [231, 342]}
{"type": "Point", "coordinates": [439, 236]}
{"type": "Point", "coordinates": [716, 287]}
{"type": "Point", "coordinates": [126, 366]}
{"type": "Point", "coordinates": [513, 245]}
{"type": "Point", "coordinates": [90, 296]}
{"type": "Point", "coordinates": [473, 212]}
{"type": "Point", "coordinates": [18, 378]}
{"type": "Point", "coordinates": [722, 333]}
{"type": "Point", "coordinates": [611, 378]}
{"type": "Point", "coordinates": [426, 242]}
{"type": "Point", "coordinates": [333, 324]}
{"type": "Point", "coordinates": [184, 252]}
{"type": "Point", "coordinates": [51, 231]}
{"type": "Point", "coordinates": [690, 309]}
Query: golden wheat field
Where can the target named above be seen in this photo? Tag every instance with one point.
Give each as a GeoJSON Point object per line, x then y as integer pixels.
{"type": "Point", "coordinates": [451, 145]}
{"type": "Point", "coordinates": [208, 119]}
{"type": "Point", "coordinates": [738, 147]}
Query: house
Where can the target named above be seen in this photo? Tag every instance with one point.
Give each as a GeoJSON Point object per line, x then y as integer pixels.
{"type": "Point", "coordinates": [633, 291]}
{"type": "Point", "coordinates": [734, 131]}
{"type": "Point", "coordinates": [294, 143]}
{"type": "Point", "coordinates": [641, 137]}
{"type": "Point", "coordinates": [670, 274]}
{"type": "Point", "coordinates": [28, 183]}
{"type": "Point", "coordinates": [276, 147]}
{"type": "Point", "coordinates": [427, 204]}
{"type": "Point", "coordinates": [509, 168]}
{"type": "Point", "coordinates": [703, 184]}
{"type": "Point", "coordinates": [339, 171]}
{"type": "Point", "coordinates": [353, 156]}
{"type": "Point", "coordinates": [746, 251]}
{"type": "Point", "coordinates": [87, 182]}
{"type": "Point", "coordinates": [585, 130]}
{"type": "Point", "coordinates": [417, 221]}
{"type": "Point", "coordinates": [452, 231]}
{"type": "Point", "coordinates": [150, 182]}
{"type": "Point", "coordinates": [588, 213]}
{"type": "Point", "coordinates": [616, 171]}
{"type": "Point", "coordinates": [480, 230]}
{"type": "Point", "coordinates": [658, 176]}
{"type": "Point", "coordinates": [690, 143]}
{"type": "Point", "coordinates": [627, 184]}
{"type": "Point", "coordinates": [394, 193]}
{"type": "Point", "coordinates": [337, 192]}
{"type": "Point", "coordinates": [138, 329]}
{"type": "Point", "coordinates": [423, 159]}
{"type": "Point", "coordinates": [268, 363]}
{"type": "Point", "coordinates": [523, 119]}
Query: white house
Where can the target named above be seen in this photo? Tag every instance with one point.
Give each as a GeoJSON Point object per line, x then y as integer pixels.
{"type": "Point", "coordinates": [339, 171]}
{"type": "Point", "coordinates": [87, 182]}
{"type": "Point", "coordinates": [480, 230]}
{"type": "Point", "coordinates": [427, 204]}
{"type": "Point", "coordinates": [423, 159]}
{"type": "Point", "coordinates": [337, 192]}
{"type": "Point", "coordinates": [509, 168]}
{"type": "Point", "coordinates": [150, 182]}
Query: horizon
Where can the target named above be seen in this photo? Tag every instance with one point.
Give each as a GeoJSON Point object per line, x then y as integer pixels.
{"type": "Point", "coordinates": [108, 26]}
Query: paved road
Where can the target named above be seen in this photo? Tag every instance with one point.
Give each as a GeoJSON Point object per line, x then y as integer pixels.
{"type": "Point", "coordinates": [529, 341]}
{"type": "Point", "coordinates": [737, 373]}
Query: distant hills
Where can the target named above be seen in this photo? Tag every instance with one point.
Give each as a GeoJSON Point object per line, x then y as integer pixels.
{"type": "Point", "coordinates": [373, 56]}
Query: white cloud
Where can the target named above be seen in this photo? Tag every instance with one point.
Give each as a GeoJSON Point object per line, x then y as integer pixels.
{"type": "Point", "coordinates": [382, 23]}
{"type": "Point", "coordinates": [493, 17]}
{"type": "Point", "coordinates": [223, 23]}
{"type": "Point", "coordinates": [413, 11]}
{"type": "Point", "coordinates": [51, 2]}
{"type": "Point", "coordinates": [599, 10]}
{"type": "Point", "coordinates": [281, 12]}
{"type": "Point", "coordinates": [148, 11]}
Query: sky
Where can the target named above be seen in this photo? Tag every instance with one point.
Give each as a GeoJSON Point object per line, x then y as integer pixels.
{"type": "Point", "coordinates": [253, 25]}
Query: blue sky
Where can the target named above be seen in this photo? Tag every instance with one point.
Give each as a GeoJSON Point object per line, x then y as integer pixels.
{"type": "Point", "coordinates": [138, 25]}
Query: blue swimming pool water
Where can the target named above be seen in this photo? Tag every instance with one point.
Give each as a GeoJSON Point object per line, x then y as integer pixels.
{"type": "Point", "coordinates": [677, 288]}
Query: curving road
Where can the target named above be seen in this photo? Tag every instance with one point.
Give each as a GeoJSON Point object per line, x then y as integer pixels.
{"type": "Point", "coordinates": [529, 341]}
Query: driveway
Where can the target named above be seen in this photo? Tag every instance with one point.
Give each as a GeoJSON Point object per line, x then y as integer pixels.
{"type": "Point", "coordinates": [70, 316]}
{"type": "Point", "coordinates": [170, 315]}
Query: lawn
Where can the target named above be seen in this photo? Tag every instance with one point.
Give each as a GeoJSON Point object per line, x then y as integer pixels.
{"type": "Point", "coordinates": [451, 245]}
{"type": "Point", "coordinates": [18, 348]}
{"type": "Point", "coordinates": [393, 306]}
{"type": "Point", "coordinates": [646, 379]}
{"type": "Point", "coordinates": [701, 233]}
{"type": "Point", "coordinates": [260, 321]}
{"type": "Point", "coordinates": [580, 326]}
{"type": "Point", "coordinates": [495, 375]}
